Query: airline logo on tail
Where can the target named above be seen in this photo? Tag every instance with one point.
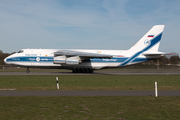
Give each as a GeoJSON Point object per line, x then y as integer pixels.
{"type": "Point", "coordinates": [147, 42]}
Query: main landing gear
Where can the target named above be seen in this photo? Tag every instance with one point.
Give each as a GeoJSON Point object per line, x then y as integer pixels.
{"type": "Point", "coordinates": [27, 70]}
{"type": "Point", "coordinates": [82, 70]}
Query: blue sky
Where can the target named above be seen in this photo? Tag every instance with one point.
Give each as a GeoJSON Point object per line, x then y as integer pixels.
{"type": "Point", "coordinates": [86, 24]}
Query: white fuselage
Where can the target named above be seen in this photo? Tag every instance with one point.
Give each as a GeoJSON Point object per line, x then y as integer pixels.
{"type": "Point", "coordinates": [87, 60]}
{"type": "Point", "coordinates": [43, 58]}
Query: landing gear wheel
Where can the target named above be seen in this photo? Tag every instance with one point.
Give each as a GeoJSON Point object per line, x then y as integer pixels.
{"type": "Point", "coordinates": [82, 70]}
{"type": "Point", "coordinates": [91, 71]}
{"type": "Point", "coordinates": [27, 70]}
{"type": "Point", "coordinates": [75, 70]}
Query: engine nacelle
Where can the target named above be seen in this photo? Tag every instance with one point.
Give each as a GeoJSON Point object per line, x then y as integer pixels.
{"type": "Point", "coordinates": [75, 60]}
{"type": "Point", "coordinates": [59, 59]}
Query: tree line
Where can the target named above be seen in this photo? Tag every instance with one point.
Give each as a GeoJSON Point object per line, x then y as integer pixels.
{"type": "Point", "coordinates": [173, 60]}
{"type": "Point", "coordinates": [2, 57]}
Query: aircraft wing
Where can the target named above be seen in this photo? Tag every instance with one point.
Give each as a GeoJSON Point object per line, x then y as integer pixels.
{"type": "Point", "coordinates": [70, 53]}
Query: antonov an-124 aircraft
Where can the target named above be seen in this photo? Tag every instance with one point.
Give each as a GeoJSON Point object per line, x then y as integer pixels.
{"type": "Point", "coordinates": [85, 61]}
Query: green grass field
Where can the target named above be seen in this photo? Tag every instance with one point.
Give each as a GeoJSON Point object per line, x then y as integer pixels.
{"type": "Point", "coordinates": [89, 108]}
{"type": "Point", "coordinates": [91, 82]}
{"type": "Point", "coordinates": [94, 107]}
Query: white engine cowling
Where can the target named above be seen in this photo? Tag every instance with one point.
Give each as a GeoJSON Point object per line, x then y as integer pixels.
{"type": "Point", "coordinates": [67, 60]}
{"type": "Point", "coordinates": [73, 60]}
{"type": "Point", "coordinates": [59, 59]}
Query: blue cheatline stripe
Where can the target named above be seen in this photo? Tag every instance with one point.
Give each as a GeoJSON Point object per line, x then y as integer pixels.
{"type": "Point", "coordinates": [30, 59]}
{"type": "Point", "coordinates": [95, 60]}
{"type": "Point", "coordinates": [152, 43]}
{"type": "Point", "coordinates": [119, 60]}
{"type": "Point", "coordinates": [116, 60]}
{"type": "Point", "coordinates": [135, 60]}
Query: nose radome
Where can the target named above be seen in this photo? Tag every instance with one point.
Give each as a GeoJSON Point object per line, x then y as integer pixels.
{"type": "Point", "coordinates": [5, 60]}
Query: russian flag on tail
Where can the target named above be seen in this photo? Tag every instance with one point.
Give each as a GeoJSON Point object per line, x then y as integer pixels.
{"type": "Point", "coordinates": [150, 35]}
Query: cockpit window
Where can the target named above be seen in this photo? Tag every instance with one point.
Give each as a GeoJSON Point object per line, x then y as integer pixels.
{"type": "Point", "coordinates": [21, 51]}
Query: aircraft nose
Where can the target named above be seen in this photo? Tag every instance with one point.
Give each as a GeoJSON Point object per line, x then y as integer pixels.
{"type": "Point", "coordinates": [5, 60]}
{"type": "Point", "coordinates": [8, 60]}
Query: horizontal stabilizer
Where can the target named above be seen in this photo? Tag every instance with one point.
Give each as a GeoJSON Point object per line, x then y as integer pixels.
{"type": "Point", "coordinates": [154, 53]}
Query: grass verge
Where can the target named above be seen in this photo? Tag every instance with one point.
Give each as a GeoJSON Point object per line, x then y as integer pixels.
{"type": "Point", "coordinates": [91, 82]}
{"type": "Point", "coordinates": [90, 108]}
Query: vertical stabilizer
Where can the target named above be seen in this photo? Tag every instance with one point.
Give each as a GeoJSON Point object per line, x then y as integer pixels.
{"type": "Point", "coordinates": [150, 41]}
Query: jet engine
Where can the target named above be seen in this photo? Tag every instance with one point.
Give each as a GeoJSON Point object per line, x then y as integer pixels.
{"type": "Point", "coordinates": [75, 60]}
{"type": "Point", "coordinates": [59, 59]}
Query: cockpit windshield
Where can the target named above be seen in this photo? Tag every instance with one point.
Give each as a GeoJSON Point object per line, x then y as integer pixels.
{"type": "Point", "coordinates": [21, 51]}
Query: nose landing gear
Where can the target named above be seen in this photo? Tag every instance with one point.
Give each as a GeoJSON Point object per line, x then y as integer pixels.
{"type": "Point", "coordinates": [27, 70]}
